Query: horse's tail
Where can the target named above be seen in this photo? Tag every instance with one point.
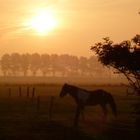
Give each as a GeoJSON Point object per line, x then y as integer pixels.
{"type": "Point", "coordinates": [112, 104]}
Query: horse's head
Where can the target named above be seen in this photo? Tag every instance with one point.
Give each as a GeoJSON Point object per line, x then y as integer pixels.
{"type": "Point", "coordinates": [63, 90]}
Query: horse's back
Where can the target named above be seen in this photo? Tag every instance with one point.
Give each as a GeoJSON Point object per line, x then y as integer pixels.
{"type": "Point", "coordinates": [99, 92]}
{"type": "Point", "coordinates": [99, 96]}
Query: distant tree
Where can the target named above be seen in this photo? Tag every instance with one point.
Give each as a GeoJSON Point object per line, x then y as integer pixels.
{"type": "Point", "coordinates": [54, 64]}
{"type": "Point", "coordinates": [63, 64]}
{"type": "Point", "coordinates": [124, 57]}
{"type": "Point", "coordinates": [15, 63]}
{"type": "Point", "coordinates": [73, 66]}
{"type": "Point", "coordinates": [83, 65]}
{"type": "Point", "coordinates": [35, 63]}
{"type": "Point", "coordinates": [45, 64]}
{"type": "Point", "coordinates": [25, 63]}
{"type": "Point", "coordinates": [5, 64]}
{"type": "Point", "coordinates": [95, 68]}
{"type": "Point", "coordinates": [92, 65]}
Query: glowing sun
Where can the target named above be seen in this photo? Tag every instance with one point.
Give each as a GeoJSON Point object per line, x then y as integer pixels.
{"type": "Point", "coordinates": [43, 22]}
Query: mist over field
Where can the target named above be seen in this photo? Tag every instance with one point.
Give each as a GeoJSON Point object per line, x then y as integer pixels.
{"type": "Point", "coordinates": [62, 80]}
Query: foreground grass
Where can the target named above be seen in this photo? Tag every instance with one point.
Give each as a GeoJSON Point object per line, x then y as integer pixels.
{"type": "Point", "coordinates": [22, 118]}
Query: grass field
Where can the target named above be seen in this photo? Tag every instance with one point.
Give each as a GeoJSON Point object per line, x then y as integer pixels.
{"type": "Point", "coordinates": [43, 115]}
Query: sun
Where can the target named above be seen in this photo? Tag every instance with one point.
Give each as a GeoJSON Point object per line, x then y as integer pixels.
{"type": "Point", "coordinates": [43, 22]}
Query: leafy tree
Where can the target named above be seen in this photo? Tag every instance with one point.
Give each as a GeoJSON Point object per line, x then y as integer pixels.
{"type": "Point", "coordinates": [63, 64]}
{"type": "Point", "coordinates": [24, 63]}
{"type": "Point", "coordinates": [5, 64]}
{"type": "Point", "coordinates": [45, 64]}
{"type": "Point", "coordinates": [93, 66]}
{"type": "Point", "coordinates": [73, 66]}
{"type": "Point", "coordinates": [124, 57]}
{"type": "Point", "coordinates": [83, 65]}
{"type": "Point", "coordinates": [54, 64]}
{"type": "Point", "coordinates": [15, 63]}
{"type": "Point", "coordinates": [35, 63]}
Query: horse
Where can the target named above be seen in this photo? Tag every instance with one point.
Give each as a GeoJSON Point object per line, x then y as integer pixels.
{"type": "Point", "coordinates": [85, 97]}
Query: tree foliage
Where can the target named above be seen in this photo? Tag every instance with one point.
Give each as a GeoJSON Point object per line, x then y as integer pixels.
{"type": "Point", "coordinates": [124, 57]}
{"type": "Point", "coordinates": [55, 65]}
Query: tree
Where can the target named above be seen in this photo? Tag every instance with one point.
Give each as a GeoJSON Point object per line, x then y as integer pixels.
{"type": "Point", "coordinates": [5, 64]}
{"type": "Point", "coordinates": [83, 65]}
{"type": "Point", "coordinates": [24, 63]}
{"type": "Point", "coordinates": [124, 57]}
{"type": "Point", "coordinates": [63, 64]}
{"type": "Point", "coordinates": [45, 64]}
{"type": "Point", "coordinates": [73, 66]}
{"type": "Point", "coordinates": [54, 64]}
{"type": "Point", "coordinates": [95, 68]}
{"type": "Point", "coordinates": [35, 63]}
{"type": "Point", "coordinates": [15, 63]}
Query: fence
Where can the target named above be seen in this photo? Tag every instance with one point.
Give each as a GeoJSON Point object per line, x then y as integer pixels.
{"type": "Point", "coordinates": [25, 97]}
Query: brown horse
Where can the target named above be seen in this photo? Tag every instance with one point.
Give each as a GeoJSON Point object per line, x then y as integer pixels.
{"type": "Point", "coordinates": [84, 98]}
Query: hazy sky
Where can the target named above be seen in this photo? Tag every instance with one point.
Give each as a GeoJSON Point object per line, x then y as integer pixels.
{"type": "Point", "coordinates": [80, 24]}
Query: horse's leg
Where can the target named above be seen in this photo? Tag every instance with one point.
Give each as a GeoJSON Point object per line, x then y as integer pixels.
{"type": "Point", "coordinates": [102, 119]}
{"type": "Point", "coordinates": [76, 121]}
{"type": "Point", "coordinates": [104, 116]}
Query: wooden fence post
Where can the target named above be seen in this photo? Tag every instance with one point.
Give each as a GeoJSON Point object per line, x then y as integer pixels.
{"type": "Point", "coordinates": [33, 92]}
{"type": "Point", "coordinates": [28, 88]}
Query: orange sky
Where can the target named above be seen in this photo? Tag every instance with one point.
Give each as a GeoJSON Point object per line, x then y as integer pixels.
{"type": "Point", "coordinates": [81, 23]}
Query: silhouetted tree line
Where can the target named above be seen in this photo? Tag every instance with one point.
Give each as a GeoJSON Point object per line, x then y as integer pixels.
{"type": "Point", "coordinates": [16, 64]}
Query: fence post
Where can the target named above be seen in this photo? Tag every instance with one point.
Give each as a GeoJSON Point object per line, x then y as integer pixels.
{"type": "Point", "coordinates": [33, 92]}
{"type": "Point", "coordinates": [28, 91]}
{"type": "Point", "coordinates": [51, 108]}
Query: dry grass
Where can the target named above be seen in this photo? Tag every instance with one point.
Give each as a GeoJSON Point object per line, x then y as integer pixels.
{"type": "Point", "coordinates": [22, 118]}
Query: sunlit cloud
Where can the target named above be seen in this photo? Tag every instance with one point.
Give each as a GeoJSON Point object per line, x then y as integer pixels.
{"type": "Point", "coordinates": [11, 31]}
